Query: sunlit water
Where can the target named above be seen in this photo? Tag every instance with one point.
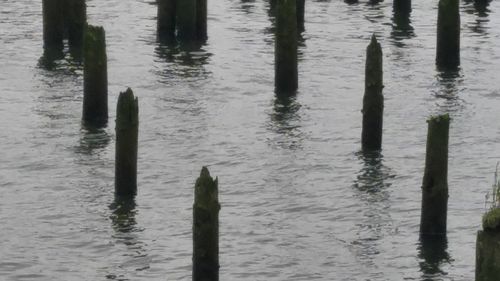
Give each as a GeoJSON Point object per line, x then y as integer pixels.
{"type": "Point", "coordinates": [299, 201]}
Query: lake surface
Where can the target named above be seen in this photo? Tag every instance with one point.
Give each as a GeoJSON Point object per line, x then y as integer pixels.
{"type": "Point", "coordinates": [299, 200]}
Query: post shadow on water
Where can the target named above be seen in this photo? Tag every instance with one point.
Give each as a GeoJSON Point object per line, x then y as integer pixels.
{"type": "Point", "coordinates": [432, 251]}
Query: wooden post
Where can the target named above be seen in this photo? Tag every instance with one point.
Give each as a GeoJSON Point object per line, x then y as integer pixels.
{"type": "Point", "coordinates": [53, 24]}
{"type": "Point", "coordinates": [186, 20]}
{"type": "Point", "coordinates": [435, 182]}
{"type": "Point", "coordinates": [95, 77]}
{"type": "Point", "coordinates": [206, 228]}
{"type": "Point", "coordinates": [402, 7]}
{"type": "Point", "coordinates": [448, 35]}
{"type": "Point", "coordinates": [201, 19]}
{"type": "Point", "coordinates": [285, 55]}
{"type": "Point", "coordinates": [166, 20]}
{"type": "Point", "coordinates": [488, 247]}
{"type": "Point", "coordinates": [300, 15]}
{"type": "Point", "coordinates": [76, 19]}
{"type": "Point", "coordinates": [373, 99]}
{"type": "Point", "coordinates": [127, 129]}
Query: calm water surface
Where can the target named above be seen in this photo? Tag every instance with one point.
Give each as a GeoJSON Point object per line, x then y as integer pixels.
{"type": "Point", "coordinates": [299, 201]}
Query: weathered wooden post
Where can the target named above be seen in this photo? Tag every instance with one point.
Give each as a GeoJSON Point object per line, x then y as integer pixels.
{"type": "Point", "coordinates": [206, 228]}
{"type": "Point", "coordinates": [53, 24]}
{"type": "Point", "coordinates": [435, 182]}
{"type": "Point", "coordinates": [201, 19]}
{"type": "Point", "coordinates": [166, 20]}
{"type": "Point", "coordinates": [402, 7]}
{"type": "Point", "coordinates": [127, 128]}
{"type": "Point", "coordinates": [186, 20]}
{"type": "Point", "coordinates": [488, 247]}
{"type": "Point", "coordinates": [285, 55]}
{"type": "Point", "coordinates": [300, 15]}
{"type": "Point", "coordinates": [448, 35]}
{"type": "Point", "coordinates": [95, 77]}
{"type": "Point", "coordinates": [75, 19]}
{"type": "Point", "coordinates": [373, 99]}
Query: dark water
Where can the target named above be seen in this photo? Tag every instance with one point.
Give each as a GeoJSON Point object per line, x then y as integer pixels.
{"type": "Point", "coordinates": [299, 201]}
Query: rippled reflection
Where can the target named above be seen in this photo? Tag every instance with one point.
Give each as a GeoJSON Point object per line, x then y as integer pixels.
{"type": "Point", "coordinates": [401, 27]}
{"type": "Point", "coordinates": [285, 121]}
{"type": "Point", "coordinates": [123, 217]}
{"type": "Point", "coordinates": [186, 61]}
{"type": "Point", "coordinates": [477, 6]}
{"type": "Point", "coordinates": [447, 91]}
{"type": "Point", "coordinates": [433, 254]}
{"type": "Point", "coordinates": [371, 184]}
{"type": "Point", "coordinates": [92, 139]}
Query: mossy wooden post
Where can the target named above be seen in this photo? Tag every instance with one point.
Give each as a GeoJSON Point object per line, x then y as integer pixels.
{"type": "Point", "coordinates": [435, 182]}
{"type": "Point", "coordinates": [285, 54]}
{"type": "Point", "coordinates": [166, 20]}
{"type": "Point", "coordinates": [300, 15]}
{"type": "Point", "coordinates": [95, 77]}
{"type": "Point", "coordinates": [76, 19]}
{"type": "Point", "coordinates": [448, 35]}
{"type": "Point", "coordinates": [488, 248]}
{"type": "Point", "coordinates": [127, 128]}
{"type": "Point", "coordinates": [53, 24]}
{"type": "Point", "coordinates": [186, 20]}
{"type": "Point", "coordinates": [373, 99]}
{"type": "Point", "coordinates": [402, 7]}
{"type": "Point", "coordinates": [206, 228]}
{"type": "Point", "coordinates": [201, 20]}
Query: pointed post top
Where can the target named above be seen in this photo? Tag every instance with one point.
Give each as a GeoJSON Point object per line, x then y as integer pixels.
{"type": "Point", "coordinates": [204, 172]}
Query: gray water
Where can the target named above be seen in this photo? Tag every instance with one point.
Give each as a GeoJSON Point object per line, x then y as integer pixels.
{"type": "Point", "coordinates": [299, 201]}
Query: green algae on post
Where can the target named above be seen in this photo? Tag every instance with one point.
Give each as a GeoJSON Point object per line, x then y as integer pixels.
{"type": "Point", "coordinates": [285, 54]}
{"type": "Point", "coordinates": [373, 99]}
{"type": "Point", "coordinates": [53, 24]}
{"type": "Point", "coordinates": [448, 35]}
{"type": "Point", "coordinates": [435, 181]}
{"type": "Point", "coordinates": [206, 228]}
{"type": "Point", "coordinates": [95, 77]}
{"type": "Point", "coordinates": [127, 129]}
{"type": "Point", "coordinates": [166, 20]}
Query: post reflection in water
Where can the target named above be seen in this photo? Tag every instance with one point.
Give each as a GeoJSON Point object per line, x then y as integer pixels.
{"type": "Point", "coordinates": [401, 27]}
{"type": "Point", "coordinates": [92, 139]}
{"type": "Point", "coordinates": [432, 250]}
{"type": "Point", "coordinates": [123, 216]}
{"type": "Point", "coordinates": [371, 186]}
{"type": "Point", "coordinates": [285, 121]}
{"type": "Point", "coordinates": [185, 61]}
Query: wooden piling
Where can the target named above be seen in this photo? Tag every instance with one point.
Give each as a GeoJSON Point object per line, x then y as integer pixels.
{"type": "Point", "coordinates": [401, 7]}
{"type": "Point", "coordinates": [448, 35]}
{"type": "Point", "coordinates": [206, 228]}
{"type": "Point", "coordinates": [53, 24]}
{"type": "Point", "coordinates": [166, 20]}
{"type": "Point", "coordinates": [488, 247]}
{"type": "Point", "coordinates": [300, 15]}
{"type": "Point", "coordinates": [186, 20]}
{"type": "Point", "coordinates": [435, 181]}
{"type": "Point", "coordinates": [285, 55]}
{"type": "Point", "coordinates": [127, 128]}
{"type": "Point", "coordinates": [95, 77]}
{"type": "Point", "coordinates": [201, 20]}
{"type": "Point", "coordinates": [373, 99]}
{"type": "Point", "coordinates": [76, 20]}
